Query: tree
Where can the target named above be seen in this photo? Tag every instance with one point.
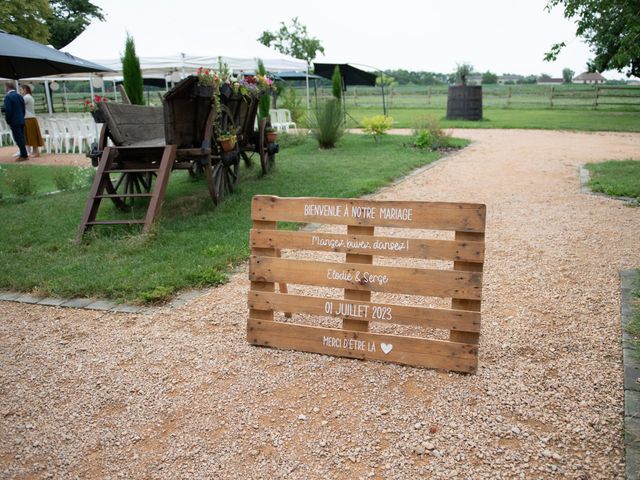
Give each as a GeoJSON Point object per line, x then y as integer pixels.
{"type": "Point", "coordinates": [567, 75]}
{"type": "Point", "coordinates": [26, 19]}
{"type": "Point", "coordinates": [462, 72]}
{"type": "Point", "coordinates": [293, 40]}
{"type": "Point", "coordinates": [133, 83]}
{"type": "Point", "coordinates": [56, 22]}
{"type": "Point", "coordinates": [489, 78]}
{"type": "Point", "coordinates": [336, 83]}
{"type": "Point", "coordinates": [265, 99]}
{"type": "Point", "coordinates": [69, 18]}
{"type": "Point", "coordinates": [610, 27]}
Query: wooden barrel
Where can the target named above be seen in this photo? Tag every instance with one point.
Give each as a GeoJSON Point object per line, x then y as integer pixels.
{"type": "Point", "coordinates": [464, 102]}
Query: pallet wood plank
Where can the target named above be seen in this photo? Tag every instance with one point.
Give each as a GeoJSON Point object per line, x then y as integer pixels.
{"type": "Point", "coordinates": [355, 294]}
{"type": "Point", "coordinates": [464, 303]}
{"type": "Point", "coordinates": [464, 217]}
{"type": "Point", "coordinates": [364, 345]}
{"type": "Point", "coordinates": [443, 318]}
{"type": "Point", "coordinates": [261, 285]}
{"type": "Point", "coordinates": [454, 250]}
{"type": "Point", "coordinates": [410, 281]}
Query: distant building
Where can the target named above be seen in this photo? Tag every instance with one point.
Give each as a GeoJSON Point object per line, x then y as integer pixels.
{"type": "Point", "coordinates": [474, 79]}
{"type": "Point", "coordinates": [586, 77]}
{"type": "Point", "coordinates": [502, 79]}
{"type": "Point", "coordinates": [549, 81]}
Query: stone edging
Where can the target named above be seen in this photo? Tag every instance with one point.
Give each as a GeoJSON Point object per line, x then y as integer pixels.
{"type": "Point", "coordinates": [96, 304]}
{"type": "Point", "coordinates": [631, 366]}
{"type": "Point", "coordinates": [585, 176]}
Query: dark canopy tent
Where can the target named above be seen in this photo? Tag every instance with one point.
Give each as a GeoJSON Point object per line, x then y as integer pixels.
{"type": "Point", "coordinates": [350, 76]}
{"type": "Point", "coordinates": [23, 58]}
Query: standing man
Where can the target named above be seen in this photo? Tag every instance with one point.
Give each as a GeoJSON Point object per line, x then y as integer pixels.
{"type": "Point", "coordinates": [14, 112]}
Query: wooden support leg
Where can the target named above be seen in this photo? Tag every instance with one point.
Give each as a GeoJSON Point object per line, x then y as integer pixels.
{"type": "Point", "coordinates": [97, 188]}
{"type": "Point", "coordinates": [166, 164]}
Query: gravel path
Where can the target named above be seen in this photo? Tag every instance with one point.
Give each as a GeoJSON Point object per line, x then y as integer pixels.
{"type": "Point", "coordinates": [74, 160]}
{"type": "Point", "coordinates": [179, 394]}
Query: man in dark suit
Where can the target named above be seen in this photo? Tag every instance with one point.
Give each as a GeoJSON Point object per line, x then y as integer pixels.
{"type": "Point", "coordinates": [14, 113]}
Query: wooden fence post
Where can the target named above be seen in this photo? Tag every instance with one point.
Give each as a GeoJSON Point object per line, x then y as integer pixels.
{"type": "Point", "coordinates": [551, 97]}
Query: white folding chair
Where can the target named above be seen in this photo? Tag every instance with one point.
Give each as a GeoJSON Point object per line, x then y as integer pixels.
{"type": "Point", "coordinates": [285, 118]}
{"type": "Point", "coordinates": [5, 133]}
{"type": "Point", "coordinates": [45, 131]}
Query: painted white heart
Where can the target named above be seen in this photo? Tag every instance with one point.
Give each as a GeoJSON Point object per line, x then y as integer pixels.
{"type": "Point", "coordinates": [386, 347]}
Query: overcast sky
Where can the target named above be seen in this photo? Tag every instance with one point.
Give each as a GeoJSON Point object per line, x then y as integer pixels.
{"type": "Point", "coordinates": [503, 36]}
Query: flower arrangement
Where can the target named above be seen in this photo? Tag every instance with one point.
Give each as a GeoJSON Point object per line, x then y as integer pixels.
{"type": "Point", "coordinates": [223, 81]}
{"type": "Point", "coordinates": [245, 85]}
{"type": "Point", "coordinates": [207, 77]}
{"type": "Point", "coordinates": [92, 105]}
{"type": "Point", "coordinates": [253, 85]}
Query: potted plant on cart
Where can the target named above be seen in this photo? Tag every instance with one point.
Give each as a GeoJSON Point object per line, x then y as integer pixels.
{"type": "Point", "coordinates": [272, 134]}
{"type": "Point", "coordinates": [91, 106]}
{"type": "Point", "coordinates": [227, 140]}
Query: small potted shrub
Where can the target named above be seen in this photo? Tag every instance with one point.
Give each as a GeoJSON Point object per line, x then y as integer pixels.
{"type": "Point", "coordinates": [227, 140]}
{"type": "Point", "coordinates": [272, 134]}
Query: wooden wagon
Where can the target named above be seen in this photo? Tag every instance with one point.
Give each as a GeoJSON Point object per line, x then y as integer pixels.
{"type": "Point", "coordinates": [148, 143]}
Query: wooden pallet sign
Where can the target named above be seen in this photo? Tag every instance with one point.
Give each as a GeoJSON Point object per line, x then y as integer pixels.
{"type": "Point", "coordinates": [359, 277]}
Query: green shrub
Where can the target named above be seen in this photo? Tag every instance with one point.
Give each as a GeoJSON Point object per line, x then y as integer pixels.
{"type": "Point", "coordinates": [62, 180]}
{"type": "Point", "coordinates": [377, 125]}
{"type": "Point", "coordinates": [428, 134]}
{"type": "Point", "coordinates": [290, 101]}
{"type": "Point", "coordinates": [80, 178]}
{"type": "Point", "coordinates": [265, 100]}
{"type": "Point", "coordinates": [83, 177]}
{"type": "Point", "coordinates": [336, 83]}
{"type": "Point", "coordinates": [20, 182]}
{"type": "Point", "coordinates": [133, 83]}
{"type": "Point", "coordinates": [292, 139]}
{"type": "Point", "coordinates": [327, 125]}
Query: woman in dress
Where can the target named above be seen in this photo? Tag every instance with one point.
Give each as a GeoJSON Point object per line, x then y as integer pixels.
{"type": "Point", "coordinates": [32, 133]}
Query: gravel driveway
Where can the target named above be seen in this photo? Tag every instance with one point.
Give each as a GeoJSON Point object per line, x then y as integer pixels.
{"type": "Point", "coordinates": [179, 394]}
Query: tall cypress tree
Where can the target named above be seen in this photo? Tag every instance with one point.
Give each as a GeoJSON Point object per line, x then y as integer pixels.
{"type": "Point", "coordinates": [336, 83]}
{"type": "Point", "coordinates": [265, 100]}
{"type": "Point", "coordinates": [133, 83]}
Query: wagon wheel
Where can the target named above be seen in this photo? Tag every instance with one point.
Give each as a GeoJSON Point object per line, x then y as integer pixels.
{"type": "Point", "coordinates": [223, 174]}
{"type": "Point", "coordinates": [125, 183]}
{"type": "Point", "coordinates": [196, 170]}
{"type": "Point", "coordinates": [267, 158]}
{"type": "Point", "coordinates": [128, 183]}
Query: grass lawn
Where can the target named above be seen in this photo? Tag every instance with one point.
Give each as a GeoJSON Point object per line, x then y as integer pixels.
{"type": "Point", "coordinates": [41, 179]}
{"type": "Point", "coordinates": [194, 244]}
{"type": "Point", "coordinates": [616, 178]}
{"type": "Point", "coordinates": [547, 119]}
